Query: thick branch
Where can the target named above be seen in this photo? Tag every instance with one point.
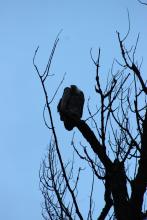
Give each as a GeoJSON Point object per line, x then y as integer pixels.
{"type": "Point", "coordinates": [105, 210]}
{"type": "Point", "coordinates": [140, 183]}
{"type": "Point", "coordinates": [94, 143]}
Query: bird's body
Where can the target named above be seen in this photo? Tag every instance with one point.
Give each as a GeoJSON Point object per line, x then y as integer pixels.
{"type": "Point", "coordinates": [71, 105]}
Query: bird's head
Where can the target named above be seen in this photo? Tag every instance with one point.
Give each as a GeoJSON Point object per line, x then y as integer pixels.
{"type": "Point", "coordinates": [74, 88]}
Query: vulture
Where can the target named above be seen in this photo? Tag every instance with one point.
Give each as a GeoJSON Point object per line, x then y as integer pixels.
{"type": "Point", "coordinates": [71, 104]}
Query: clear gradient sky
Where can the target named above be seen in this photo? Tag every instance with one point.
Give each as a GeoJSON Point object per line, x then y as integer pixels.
{"type": "Point", "coordinates": [25, 24]}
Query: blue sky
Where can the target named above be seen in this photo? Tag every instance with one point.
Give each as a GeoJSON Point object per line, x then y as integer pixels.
{"type": "Point", "coordinates": [23, 26]}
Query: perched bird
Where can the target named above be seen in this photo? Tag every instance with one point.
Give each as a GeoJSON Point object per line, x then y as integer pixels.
{"type": "Point", "coordinates": [71, 104]}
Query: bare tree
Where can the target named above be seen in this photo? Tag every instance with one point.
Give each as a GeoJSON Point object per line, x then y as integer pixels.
{"type": "Point", "coordinates": [115, 142]}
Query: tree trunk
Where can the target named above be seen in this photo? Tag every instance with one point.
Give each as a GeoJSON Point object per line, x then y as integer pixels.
{"type": "Point", "coordinates": [119, 192]}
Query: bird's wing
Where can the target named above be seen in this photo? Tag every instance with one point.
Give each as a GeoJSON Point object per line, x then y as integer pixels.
{"type": "Point", "coordinates": [65, 99]}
